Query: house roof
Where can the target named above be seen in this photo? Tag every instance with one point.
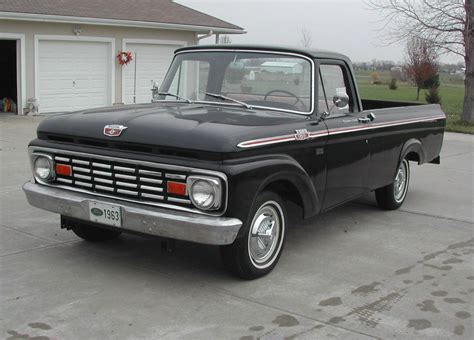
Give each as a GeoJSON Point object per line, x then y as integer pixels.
{"type": "Point", "coordinates": [138, 12]}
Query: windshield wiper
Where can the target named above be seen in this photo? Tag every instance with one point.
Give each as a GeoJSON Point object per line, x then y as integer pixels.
{"type": "Point", "coordinates": [175, 96]}
{"type": "Point", "coordinates": [220, 96]}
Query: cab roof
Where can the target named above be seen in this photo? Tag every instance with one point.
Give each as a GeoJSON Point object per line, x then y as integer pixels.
{"type": "Point", "coordinates": [312, 53]}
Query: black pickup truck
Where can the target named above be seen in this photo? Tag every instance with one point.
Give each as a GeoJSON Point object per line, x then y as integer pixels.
{"type": "Point", "coordinates": [231, 136]}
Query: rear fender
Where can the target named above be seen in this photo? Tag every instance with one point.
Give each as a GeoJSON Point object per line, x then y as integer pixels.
{"type": "Point", "coordinates": [413, 146]}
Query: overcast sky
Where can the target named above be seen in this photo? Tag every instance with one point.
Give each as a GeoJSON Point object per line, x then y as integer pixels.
{"type": "Point", "coordinates": [346, 26]}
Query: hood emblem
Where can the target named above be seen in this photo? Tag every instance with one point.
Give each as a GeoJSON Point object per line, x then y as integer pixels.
{"type": "Point", "coordinates": [301, 135]}
{"type": "Point", "coordinates": [114, 130]}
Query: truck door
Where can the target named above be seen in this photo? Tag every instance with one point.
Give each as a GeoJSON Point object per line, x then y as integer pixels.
{"type": "Point", "coordinates": [347, 149]}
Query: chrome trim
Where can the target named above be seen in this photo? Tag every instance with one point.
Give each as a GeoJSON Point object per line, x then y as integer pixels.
{"type": "Point", "coordinates": [132, 178]}
{"type": "Point", "coordinates": [175, 176]}
{"type": "Point", "coordinates": [178, 200]}
{"type": "Point", "coordinates": [84, 184]}
{"type": "Point", "coordinates": [76, 168]}
{"type": "Point", "coordinates": [148, 172]}
{"type": "Point", "coordinates": [87, 178]}
{"type": "Point", "coordinates": [101, 187]}
{"type": "Point", "coordinates": [222, 176]}
{"type": "Point", "coordinates": [62, 159]}
{"type": "Point", "coordinates": [157, 197]}
{"type": "Point", "coordinates": [135, 217]}
{"type": "Point", "coordinates": [101, 165]}
{"type": "Point", "coordinates": [150, 180]}
{"type": "Point", "coordinates": [336, 131]}
{"type": "Point", "coordinates": [103, 180]}
{"type": "Point", "coordinates": [102, 173]}
{"type": "Point", "coordinates": [146, 187]}
{"type": "Point", "coordinates": [216, 186]}
{"type": "Point", "coordinates": [121, 168]}
{"type": "Point", "coordinates": [127, 192]}
{"type": "Point", "coordinates": [126, 184]}
{"type": "Point", "coordinates": [78, 161]}
{"type": "Point", "coordinates": [64, 180]}
{"type": "Point", "coordinates": [313, 70]}
{"type": "Point", "coordinates": [279, 139]}
{"type": "Point", "coordinates": [52, 175]}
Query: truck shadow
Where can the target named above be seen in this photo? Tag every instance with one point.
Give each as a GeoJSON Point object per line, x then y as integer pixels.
{"type": "Point", "coordinates": [191, 259]}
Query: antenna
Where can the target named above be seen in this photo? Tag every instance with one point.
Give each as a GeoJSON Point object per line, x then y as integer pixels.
{"type": "Point", "coordinates": [135, 81]}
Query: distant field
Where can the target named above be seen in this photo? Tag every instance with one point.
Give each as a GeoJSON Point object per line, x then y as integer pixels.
{"type": "Point", "coordinates": [451, 92]}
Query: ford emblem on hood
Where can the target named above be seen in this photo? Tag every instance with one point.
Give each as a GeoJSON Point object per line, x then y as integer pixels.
{"type": "Point", "coordinates": [114, 130]}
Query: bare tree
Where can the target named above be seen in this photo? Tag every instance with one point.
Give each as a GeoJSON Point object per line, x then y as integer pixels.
{"type": "Point", "coordinates": [225, 40]}
{"type": "Point", "coordinates": [446, 24]}
{"type": "Point", "coordinates": [306, 39]}
{"type": "Point", "coordinates": [421, 66]}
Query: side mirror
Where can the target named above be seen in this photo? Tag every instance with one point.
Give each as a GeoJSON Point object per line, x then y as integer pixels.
{"type": "Point", "coordinates": [341, 100]}
{"type": "Point", "coordinates": [154, 91]}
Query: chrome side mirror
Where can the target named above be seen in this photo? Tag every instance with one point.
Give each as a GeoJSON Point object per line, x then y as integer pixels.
{"type": "Point", "coordinates": [155, 91]}
{"type": "Point", "coordinates": [341, 100]}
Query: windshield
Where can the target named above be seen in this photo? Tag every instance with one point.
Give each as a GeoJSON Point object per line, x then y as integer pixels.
{"type": "Point", "coordinates": [248, 79]}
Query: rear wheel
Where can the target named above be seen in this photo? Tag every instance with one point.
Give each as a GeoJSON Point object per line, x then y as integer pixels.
{"type": "Point", "coordinates": [257, 252]}
{"type": "Point", "coordinates": [94, 234]}
{"type": "Point", "coordinates": [392, 196]}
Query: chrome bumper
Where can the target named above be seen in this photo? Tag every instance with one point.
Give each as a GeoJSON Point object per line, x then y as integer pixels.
{"type": "Point", "coordinates": [135, 217]}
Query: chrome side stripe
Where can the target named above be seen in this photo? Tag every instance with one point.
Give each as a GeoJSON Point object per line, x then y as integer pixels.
{"type": "Point", "coordinates": [312, 135]}
{"type": "Point", "coordinates": [278, 139]}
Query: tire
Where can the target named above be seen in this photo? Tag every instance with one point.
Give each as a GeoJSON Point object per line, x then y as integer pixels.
{"type": "Point", "coordinates": [94, 234]}
{"type": "Point", "coordinates": [392, 196]}
{"type": "Point", "coordinates": [252, 256]}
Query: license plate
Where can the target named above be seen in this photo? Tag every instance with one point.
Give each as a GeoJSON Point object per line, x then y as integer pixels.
{"type": "Point", "coordinates": [105, 214]}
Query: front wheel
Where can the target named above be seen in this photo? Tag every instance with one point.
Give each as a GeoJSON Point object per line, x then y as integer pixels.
{"type": "Point", "coordinates": [256, 253]}
{"type": "Point", "coordinates": [392, 196]}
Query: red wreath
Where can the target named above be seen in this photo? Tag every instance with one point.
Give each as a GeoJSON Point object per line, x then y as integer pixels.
{"type": "Point", "coordinates": [124, 57]}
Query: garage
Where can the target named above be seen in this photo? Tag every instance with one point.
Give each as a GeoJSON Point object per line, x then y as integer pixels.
{"type": "Point", "coordinates": [152, 61]}
{"type": "Point", "coordinates": [8, 69]}
{"type": "Point", "coordinates": [62, 55]}
{"type": "Point", "coordinates": [73, 75]}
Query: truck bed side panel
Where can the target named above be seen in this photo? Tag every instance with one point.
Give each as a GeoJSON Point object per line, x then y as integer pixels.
{"type": "Point", "coordinates": [393, 128]}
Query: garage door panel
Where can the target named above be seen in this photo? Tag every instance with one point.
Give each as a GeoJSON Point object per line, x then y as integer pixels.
{"type": "Point", "coordinates": [73, 75]}
{"type": "Point", "coordinates": [153, 61]}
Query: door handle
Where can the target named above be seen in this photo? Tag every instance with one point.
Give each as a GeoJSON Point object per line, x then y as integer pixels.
{"type": "Point", "coordinates": [370, 118]}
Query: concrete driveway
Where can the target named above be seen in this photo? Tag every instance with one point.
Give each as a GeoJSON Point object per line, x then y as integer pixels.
{"type": "Point", "coordinates": [356, 272]}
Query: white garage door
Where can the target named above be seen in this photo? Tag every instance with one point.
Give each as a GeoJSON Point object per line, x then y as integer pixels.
{"type": "Point", "coordinates": [153, 61]}
{"type": "Point", "coordinates": [73, 75]}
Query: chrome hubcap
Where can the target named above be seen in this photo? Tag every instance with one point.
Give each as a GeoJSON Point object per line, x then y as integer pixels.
{"type": "Point", "coordinates": [264, 234]}
{"type": "Point", "coordinates": [400, 183]}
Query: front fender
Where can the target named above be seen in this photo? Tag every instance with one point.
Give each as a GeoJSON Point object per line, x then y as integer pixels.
{"type": "Point", "coordinates": [250, 176]}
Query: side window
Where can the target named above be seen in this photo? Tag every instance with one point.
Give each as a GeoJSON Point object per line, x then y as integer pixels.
{"type": "Point", "coordinates": [333, 83]}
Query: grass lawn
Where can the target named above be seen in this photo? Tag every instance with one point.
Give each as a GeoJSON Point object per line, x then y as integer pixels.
{"type": "Point", "coordinates": [451, 92]}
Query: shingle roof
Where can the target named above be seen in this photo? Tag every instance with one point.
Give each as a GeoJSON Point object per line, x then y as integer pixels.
{"type": "Point", "coordinates": [151, 11]}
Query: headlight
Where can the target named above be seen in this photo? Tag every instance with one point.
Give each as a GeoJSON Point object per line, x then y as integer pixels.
{"type": "Point", "coordinates": [205, 192]}
{"type": "Point", "coordinates": [43, 167]}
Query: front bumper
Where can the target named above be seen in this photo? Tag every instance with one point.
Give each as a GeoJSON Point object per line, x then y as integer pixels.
{"type": "Point", "coordinates": [135, 217]}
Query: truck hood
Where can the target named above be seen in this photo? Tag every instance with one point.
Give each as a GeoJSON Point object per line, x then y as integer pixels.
{"type": "Point", "coordinates": [210, 128]}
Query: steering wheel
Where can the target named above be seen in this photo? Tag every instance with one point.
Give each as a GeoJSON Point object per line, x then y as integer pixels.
{"type": "Point", "coordinates": [298, 99]}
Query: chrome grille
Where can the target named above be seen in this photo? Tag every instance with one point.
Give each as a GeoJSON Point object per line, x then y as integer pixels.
{"type": "Point", "coordinates": [121, 179]}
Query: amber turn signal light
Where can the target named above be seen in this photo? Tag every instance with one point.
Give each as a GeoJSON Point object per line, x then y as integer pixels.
{"type": "Point", "coordinates": [63, 170]}
{"type": "Point", "coordinates": [176, 188]}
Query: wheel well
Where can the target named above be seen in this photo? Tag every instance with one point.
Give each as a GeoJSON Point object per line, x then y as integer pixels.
{"type": "Point", "coordinates": [413, 156]}
{"type": "Point", "coordinates": [287, 191]}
